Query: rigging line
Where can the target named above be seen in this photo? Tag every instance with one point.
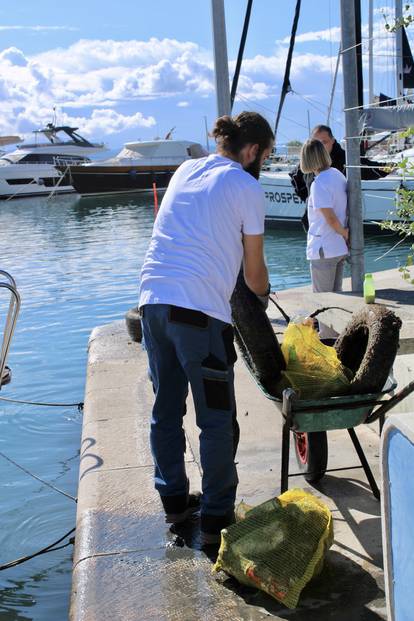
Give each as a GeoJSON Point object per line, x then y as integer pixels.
{"type": "Point", "coordinates": [384, 198]}
{"type": "Point", "coordinates": [34, 476]}
{"type": "Point", "coordinates": [330, 39]}
{"type": "Point", "coordinates": [286, 82]}
{"type": "Point", "coordinates": [393, 248]}
{"type": "Point", "coordinates": [309, 101]}
{"type": "Point", "coordinates": [20, 190]}
{"type": "Point", "coordinates": [379, 165]}
{"type": "Point", "coordinates": [56, 405]}
{"type": "Point", "coordinates": [365, 40]}
{"type": "Point", "coordinates": [240, 54]}
{"type": "Point", "coordinates": [336, 110]}
{"type": "Point", "coordinates": [362, 137]}
{"type": "Point", "coordinates": [49, 548]}
{"type": "Point", "coordinates": [377, 104]}
{"type": "Point", "coordinates": [285, 118]}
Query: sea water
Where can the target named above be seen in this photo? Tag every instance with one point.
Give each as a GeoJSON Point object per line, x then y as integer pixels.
{"type": "Point", "coordinates": [76, 262]}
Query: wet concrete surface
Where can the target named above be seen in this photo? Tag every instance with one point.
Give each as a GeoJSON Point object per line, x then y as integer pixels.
{"type": "Point", "coordinates": [175, 583]}
{"type": "Point", "coordinates": [129, 566]}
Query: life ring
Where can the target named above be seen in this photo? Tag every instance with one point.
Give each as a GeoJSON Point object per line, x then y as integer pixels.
{"type": "Point", "coordinates": [368, 347]}
{"type": "Point", "coordinates": [255, 337]}
{"type": "Point", "coordinates": [133, 324]}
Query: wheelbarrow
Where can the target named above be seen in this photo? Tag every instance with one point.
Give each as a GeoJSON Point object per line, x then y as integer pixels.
{"type": "Point", "coordinates": [309, 420]}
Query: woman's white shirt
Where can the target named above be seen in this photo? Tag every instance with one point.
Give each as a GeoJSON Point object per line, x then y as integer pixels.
{"type": "Point", "coordinates": [328, 190]}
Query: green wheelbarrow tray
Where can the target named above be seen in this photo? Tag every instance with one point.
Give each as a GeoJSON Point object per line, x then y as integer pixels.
{"type": "Point", "coordinates": [312, 418]}
{"type": "Point", "coordinates": [340, 412]}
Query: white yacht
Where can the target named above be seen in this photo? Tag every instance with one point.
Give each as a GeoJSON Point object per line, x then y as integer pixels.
{"type": "Point", "coordinates": [31, 169]}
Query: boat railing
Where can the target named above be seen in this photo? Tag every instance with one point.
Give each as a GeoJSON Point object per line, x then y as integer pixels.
{"type": "Point", "coordinates": [57, 161]}
{"type": "Point", "coordinates": [7, 283]}
{"type": "Point", "coordinates": [62, 161]}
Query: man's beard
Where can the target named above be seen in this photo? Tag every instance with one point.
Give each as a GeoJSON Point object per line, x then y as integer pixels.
{"type": "Point", "coordinates": [254, 167]}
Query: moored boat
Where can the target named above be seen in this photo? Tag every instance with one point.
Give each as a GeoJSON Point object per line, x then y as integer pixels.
{"type": "Point", "coordinates": [284, 207]}
{"type": "Point", "coordinates": [32, 169]}
{"type": "Point", "coordinates": [136, 167]}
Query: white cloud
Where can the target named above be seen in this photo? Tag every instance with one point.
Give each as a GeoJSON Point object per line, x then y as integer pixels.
{"type": "Point", "coordinates": [100, 123]}
{"type": "Point", "coordinates": [90, 54]}
{"type": "Point", "coordinates": [330, 34]}
{"type": "Point", "coordinates": [103, 122]}
{"type": "Point", "coordinates": [14, 56]}
{"type": "Point", "coordinates": [183, 104]}
{"type": "Point", "coordinates": [38, 28]}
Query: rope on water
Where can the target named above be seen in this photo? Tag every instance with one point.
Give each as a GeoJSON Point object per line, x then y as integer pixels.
{"type": "Point", "coordinates": [34, 476]}
{"type": "Point", "coordinates": [56, 405]}
{"type": "Point", "coordinates": [50, 548]}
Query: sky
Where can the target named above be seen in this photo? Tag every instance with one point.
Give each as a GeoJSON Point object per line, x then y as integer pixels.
{"type": "Point", "coordinates": [134, 69]}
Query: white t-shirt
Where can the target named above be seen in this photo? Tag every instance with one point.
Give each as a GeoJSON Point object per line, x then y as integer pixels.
{"type": "Point", "coordinates": [327, 190]}
{"type": "Point", "coordinates": [196, 249]}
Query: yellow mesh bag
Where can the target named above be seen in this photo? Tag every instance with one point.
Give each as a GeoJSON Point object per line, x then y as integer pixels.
{"type": "Point", "coordinates": [279, 545]}
{"type": "Point", "coordinates": [313, 369]}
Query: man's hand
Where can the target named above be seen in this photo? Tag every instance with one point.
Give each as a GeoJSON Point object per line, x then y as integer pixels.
{"type": "Point", "coordinates": [264, 299]}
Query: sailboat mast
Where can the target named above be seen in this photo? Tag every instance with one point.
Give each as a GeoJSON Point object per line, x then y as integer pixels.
{"type": "Point", "coordinates": [399, 50]}
{"type": "Point", "coordinates": [350, 80]}
{"type": "Point", "coordinates": [358, 51]}
{"type": "Point", "coordinates": [221, 63]}
{"type": "Point", "coordinates": [371, 52]}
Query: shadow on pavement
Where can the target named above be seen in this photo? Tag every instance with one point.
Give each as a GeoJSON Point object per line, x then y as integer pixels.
{"type": "Point", "coordinates": [342, 592]}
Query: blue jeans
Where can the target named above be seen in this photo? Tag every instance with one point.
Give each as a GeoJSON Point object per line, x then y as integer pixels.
{"type": "Point", "coordinates": [187, 347]}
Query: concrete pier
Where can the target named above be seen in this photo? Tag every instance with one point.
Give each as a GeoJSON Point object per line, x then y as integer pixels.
{"type": "Point", "coordinates": [128, 566]}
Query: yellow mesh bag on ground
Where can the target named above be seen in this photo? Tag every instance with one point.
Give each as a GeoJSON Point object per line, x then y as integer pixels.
{"type": "Point", "coordinates": [313, 369]}
{"type": "Point", "coordinates": [279, 545]}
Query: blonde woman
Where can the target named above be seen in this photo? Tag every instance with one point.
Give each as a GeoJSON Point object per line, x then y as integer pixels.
{"type": "Point", "coordinates": [327, 244]}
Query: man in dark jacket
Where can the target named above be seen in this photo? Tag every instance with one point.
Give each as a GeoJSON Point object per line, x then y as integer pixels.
{"type": "Point", "coordinates": [302, 182]}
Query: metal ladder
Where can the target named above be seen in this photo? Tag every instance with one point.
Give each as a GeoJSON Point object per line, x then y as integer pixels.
{"type": "Point", "coordinates": [7, 282]}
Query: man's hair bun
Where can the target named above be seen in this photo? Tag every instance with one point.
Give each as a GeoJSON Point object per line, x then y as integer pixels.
{"type": "Point", "coordinates": [225, 127]}
{"type": "Point", "coordinates": [231, 134]}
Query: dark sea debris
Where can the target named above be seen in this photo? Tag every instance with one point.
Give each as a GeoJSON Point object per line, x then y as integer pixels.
{"type": "Point", "coordinates": [255, 337]}
{"type": "Point", "coordinates": [368, 347]}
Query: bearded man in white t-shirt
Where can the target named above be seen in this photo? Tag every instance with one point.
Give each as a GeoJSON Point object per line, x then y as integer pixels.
{"type": "Point", "coordinates": [211, 221]}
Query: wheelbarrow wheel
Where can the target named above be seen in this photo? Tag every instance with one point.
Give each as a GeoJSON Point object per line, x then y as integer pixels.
{"type": "Point", "coordinates": [311, 454]}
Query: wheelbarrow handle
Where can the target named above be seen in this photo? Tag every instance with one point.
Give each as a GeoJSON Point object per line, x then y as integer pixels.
{"type": "Point", "coordinates": [388, 405]}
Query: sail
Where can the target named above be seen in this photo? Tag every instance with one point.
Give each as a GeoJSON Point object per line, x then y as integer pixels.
{"type": "Point", "coordinates": [390, 118]}
{"type": "Point", "coordinates": [286, 86]}
{"type": "Point", "coordinates": [408, 62]}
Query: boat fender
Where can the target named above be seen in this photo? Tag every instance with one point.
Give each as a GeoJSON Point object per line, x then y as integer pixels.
{"type": "Point", "coordinates": [255, 337]}
{"type": "Point", "coordinates": [133, 324]}
{"type": "Point", "coordinates": [368, 347]}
